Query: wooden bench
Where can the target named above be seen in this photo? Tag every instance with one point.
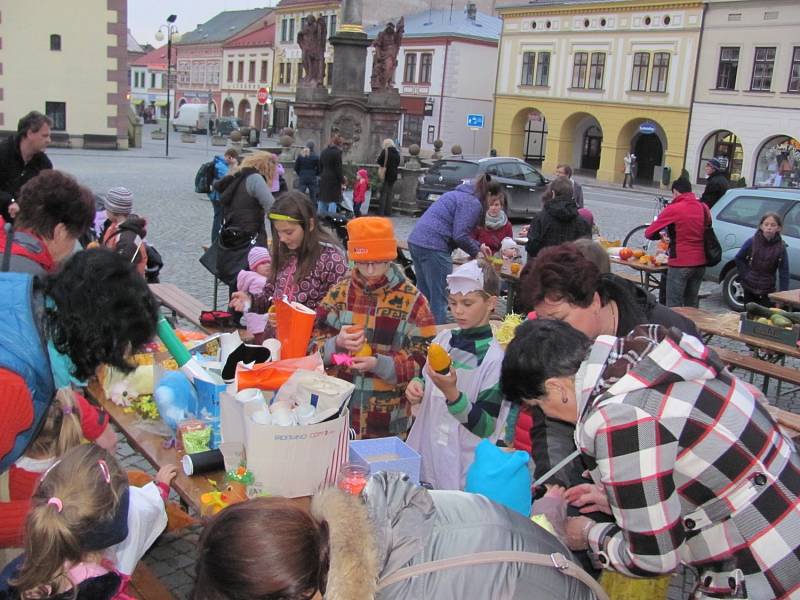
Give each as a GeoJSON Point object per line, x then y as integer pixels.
{"type": "Point", "coordinates": [144, 585]}
{"type": "Point", "coordinates": [179, 303]}
{"type": "Point", "coordinates": [761, 367]}
{"type": "Point", "coordinates": [100, 142]}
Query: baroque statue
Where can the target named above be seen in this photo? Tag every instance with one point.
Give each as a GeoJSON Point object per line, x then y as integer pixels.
{"type": "Point", "coordinates": [312, 40]}
{"type": "Point", "coordinates": [384, 60]}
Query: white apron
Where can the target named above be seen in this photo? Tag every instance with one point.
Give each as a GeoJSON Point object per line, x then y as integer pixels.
{"type": "Point", "coordinates": [447, 447]}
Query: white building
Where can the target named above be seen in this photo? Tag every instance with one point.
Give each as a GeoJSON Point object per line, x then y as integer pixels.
{"type": "Point", "coordinates": [248, 62]}
{"type": "Point", "coordinates": [149, 83]}
{"type": "Point", "coordinates": [747, 100]}
{"type": "Point", "coordinates": [446, 70]}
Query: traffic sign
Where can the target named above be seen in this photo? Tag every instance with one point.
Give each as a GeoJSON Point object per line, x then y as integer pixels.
{"type": "Point", "coordinates": [475, 121]}
{"type": "Point", "coordinates": [262, 96]}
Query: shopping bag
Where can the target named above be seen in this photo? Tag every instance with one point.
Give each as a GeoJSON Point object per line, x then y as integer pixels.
{"type": "Point", "coordinates": [295, 461]}
{"type": "Point", "coordinates": [294, 325]}
{"type": "Point", "coordinates": [272, 375]}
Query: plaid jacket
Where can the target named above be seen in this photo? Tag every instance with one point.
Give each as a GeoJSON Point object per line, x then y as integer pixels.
{"type": "Point", "coordinates": [398, 325]}
{"type": "Point", "coordinates": [695, 469]}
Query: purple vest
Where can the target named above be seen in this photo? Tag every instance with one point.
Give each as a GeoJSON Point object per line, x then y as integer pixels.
{"type": "Point", "coordinates": [765, 257]}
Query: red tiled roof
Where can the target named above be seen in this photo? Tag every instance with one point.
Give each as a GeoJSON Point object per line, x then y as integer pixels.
{"type": "Point", "coordinates": [300, 3]}
{"type": "Point", "coordinates": [260, 37]}
{"type": "Point", "coordinates": [155, 59]}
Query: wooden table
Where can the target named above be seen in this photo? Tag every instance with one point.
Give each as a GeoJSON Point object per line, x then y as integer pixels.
{"type": "Point", "coordinates": [650, 276]}
{"type": "Point", "coordinates": [727, 325]}
{"type": "Point", "coordinates": [179, 303]}
{"type": "Point", "coordinates": [790, 298]}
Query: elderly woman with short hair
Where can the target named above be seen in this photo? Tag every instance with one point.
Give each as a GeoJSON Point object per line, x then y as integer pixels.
{"type": "Point", "coordinates": [693, 467]}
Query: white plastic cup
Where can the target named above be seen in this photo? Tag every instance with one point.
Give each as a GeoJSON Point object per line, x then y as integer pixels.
{"type": "Point", "coordinates": [304, 414]}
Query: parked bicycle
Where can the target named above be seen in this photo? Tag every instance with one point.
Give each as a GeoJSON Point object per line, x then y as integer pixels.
{"type": "Point", "coordinates": [635, 238]}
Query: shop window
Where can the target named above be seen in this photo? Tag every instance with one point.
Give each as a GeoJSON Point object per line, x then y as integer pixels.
{"type": "Point", "coordinates": [727, 149]}
{"type": "Point", "coordinates": [412, 130]}
{"type": "Point", "coordinates": [728, 67]}
{"type": "Point", "coordinates": [763, 63]}
{"type": "Point", "coordinates": [410, 69]}
{"type": "Point", "coordinates": [658, 80]}
{"type": "Point", "coordinates": [528, 63]}
{"type": "Point", "coordinates": [596, 70]}
{"type": "Point", "coordinates": [543, 69]}
{"type": "Point", "coordinates": [794, 72]}
{"type": "Point", "coordinates": [57, 111]}
{"type": "Point", "coordinates": [778, 163]}
{"type": "Point", "coordinates": [579, 65]}
{"type": "Point", "coordinates": [55, 42]}
{"type": "Point", "coordinates": [425, 64]}
{"type": "Point", "coordinates": [331, 25]}
{"type": "Point", "coordinates": [641, 64]}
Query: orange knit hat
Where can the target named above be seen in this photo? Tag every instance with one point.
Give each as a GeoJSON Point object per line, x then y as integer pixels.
{"type": "Point", "coordinates": [371, 239]}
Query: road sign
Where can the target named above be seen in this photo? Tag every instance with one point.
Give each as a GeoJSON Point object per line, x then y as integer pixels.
{"type": "Point", "coordinates": [262, 96]}
{"type": "Point", "coordinates": [475, 121]}
{"type": "Point", "coordinates": [647, 127]}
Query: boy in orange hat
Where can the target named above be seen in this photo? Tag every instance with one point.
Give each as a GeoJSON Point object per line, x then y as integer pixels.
{"type": "Point", "coordinates": [382, 325]}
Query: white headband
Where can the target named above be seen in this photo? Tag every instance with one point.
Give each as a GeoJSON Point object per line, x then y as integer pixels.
{"type": "Point", "coordinates": [466, 279]}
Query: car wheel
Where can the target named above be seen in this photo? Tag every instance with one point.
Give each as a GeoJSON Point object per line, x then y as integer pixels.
{"type": "Point", "coordinates": [732, 291]}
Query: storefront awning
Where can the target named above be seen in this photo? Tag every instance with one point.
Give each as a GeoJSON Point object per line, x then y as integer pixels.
{"type": "Point", "coordinates": [161, 103]}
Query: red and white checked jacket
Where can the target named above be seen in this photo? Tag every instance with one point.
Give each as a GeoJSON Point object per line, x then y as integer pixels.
{"type": "Point", "coordinates": [695, 469]}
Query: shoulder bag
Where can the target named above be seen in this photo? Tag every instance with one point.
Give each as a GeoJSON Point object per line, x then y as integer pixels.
{"type": "Point", "coordinates": [711, 245]}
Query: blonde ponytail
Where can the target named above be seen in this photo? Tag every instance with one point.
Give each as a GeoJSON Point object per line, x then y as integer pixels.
{"type": "Point", "coordinates": [61, 429]}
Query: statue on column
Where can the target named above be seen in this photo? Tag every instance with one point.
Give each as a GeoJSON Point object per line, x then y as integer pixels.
{"type": "Point", "coordinates": [312, 40]}
{"type": "Point", "coordinates": [384, 60]}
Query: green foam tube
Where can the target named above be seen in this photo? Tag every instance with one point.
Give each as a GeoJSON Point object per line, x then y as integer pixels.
{"type": "Point", "coordinates": [172, 342]}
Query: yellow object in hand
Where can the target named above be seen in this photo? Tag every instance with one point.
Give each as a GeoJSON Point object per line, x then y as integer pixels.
{"type": "Point", "coordinates": [438, 359]}
{"type": "Point", "coordinates": [366, 350]}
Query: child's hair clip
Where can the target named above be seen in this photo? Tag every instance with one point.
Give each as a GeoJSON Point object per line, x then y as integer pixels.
{"type": "Point", "coordinates": [55, 501]}
{"type": "Point", "coordinates": [104, 469]}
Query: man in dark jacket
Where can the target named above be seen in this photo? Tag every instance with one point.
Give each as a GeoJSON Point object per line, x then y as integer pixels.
{"type": "Point", "coordinates": [306, 166]}
{"type": "Point", "coordinates": [558, 222]}
{"type": "Point", "coordinates": [389, 161]}
{"type": "Point", "coordinates": [331, 177]}
{"type": "Point", "coordinates": [22, 158]}
{"type": "Point", "coordinates": [716, 183]}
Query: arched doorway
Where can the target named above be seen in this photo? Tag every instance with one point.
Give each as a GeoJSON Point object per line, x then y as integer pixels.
{"type": "Point", "coordinates": [590, 149]}
{"type": "Point", "coordinates": [727, 149]}
{"type": "Point", "coordinates": [534, 143]}
{"type": "Point", "coordinates": [649, 153]}
{"type": "Point", "coordinates": [244, 112]}
{"type": "Point", "coordinates": [227, 108]}
{"type": "Point", "coordinates": [778, 162]}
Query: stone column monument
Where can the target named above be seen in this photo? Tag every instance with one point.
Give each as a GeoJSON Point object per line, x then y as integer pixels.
{"type": "Point", "coordinates": [363, 120]}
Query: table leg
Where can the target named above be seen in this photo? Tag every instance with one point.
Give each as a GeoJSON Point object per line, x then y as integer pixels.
{"type": "Point", "coordinates": [216, 291]}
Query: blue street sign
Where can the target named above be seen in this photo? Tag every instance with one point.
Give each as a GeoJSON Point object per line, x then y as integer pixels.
{"type": "Point", "coordinates": [647, 127]}
{"type": "Point", "coordinates": [475, 121]}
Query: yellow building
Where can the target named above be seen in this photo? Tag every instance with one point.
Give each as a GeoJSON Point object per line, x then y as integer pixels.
{"type": "Point", "coordinates": [74, 68]}
{"type": "Point", "coordinates": [584, 83]}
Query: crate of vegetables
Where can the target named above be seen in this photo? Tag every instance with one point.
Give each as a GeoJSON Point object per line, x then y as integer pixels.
{"type": "Point", "coordinates": [771, 324]}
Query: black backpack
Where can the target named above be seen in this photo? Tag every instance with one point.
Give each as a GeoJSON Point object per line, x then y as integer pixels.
{"type": "Point", "coordinates": [204, 178]}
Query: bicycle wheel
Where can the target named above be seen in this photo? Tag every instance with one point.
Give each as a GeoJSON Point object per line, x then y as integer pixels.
{"type": "Point", "coordinates": [635, 238]}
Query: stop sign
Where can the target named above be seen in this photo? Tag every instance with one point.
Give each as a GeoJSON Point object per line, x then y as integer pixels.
{"type": "Point", "coordinates": [263, 94]}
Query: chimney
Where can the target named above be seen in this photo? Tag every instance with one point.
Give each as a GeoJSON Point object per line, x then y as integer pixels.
{"type": "Point", "coordinates": [472, 10]}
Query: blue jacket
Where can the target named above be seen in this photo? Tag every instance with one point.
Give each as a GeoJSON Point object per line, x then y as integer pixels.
{"type": "Point", "coordinates": [220, 170]}
{"type": "Point", "coordinates": [449, 222]}
{"type": "Point", "coordinates": [22, 351]}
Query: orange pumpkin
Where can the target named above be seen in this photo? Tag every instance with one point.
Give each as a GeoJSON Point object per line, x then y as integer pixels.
{"type": "Point", "coordinates": [626, 254]}
{"type": "Point", "coordinates": [366, 350]}
{"type": "Point", "coordinates": [638, 253]}
{"type": "Point", "coordinates": [515, 268]}
{"type": "Point", "coordinates": [439, 359]}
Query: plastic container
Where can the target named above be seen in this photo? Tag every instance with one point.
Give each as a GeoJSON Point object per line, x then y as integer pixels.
{"type": "Point", "coordinates": [352, 478]}
{"type": "Point", "coordinates": [386, 454]}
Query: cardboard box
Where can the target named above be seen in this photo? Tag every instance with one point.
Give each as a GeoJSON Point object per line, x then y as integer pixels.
{"type": "Point", "coordinates": [386, 454]}
{"type": "Point", "coordinates": [770, 332]}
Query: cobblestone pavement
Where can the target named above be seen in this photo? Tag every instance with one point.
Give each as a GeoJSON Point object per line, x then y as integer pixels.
{"type": "Point", "coordinates": [179, 223]}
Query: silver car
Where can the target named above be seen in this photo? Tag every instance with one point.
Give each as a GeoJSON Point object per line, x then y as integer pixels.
{"type": "Point", "coordinates": [736, 216]}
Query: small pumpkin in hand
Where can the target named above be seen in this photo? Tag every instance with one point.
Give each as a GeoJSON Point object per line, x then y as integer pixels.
{"type": "Point", "coordinates": [438, 359]}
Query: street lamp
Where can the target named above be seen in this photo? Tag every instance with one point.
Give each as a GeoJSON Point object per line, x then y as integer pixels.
{"type": "Point", "coordinates": [171, 30]}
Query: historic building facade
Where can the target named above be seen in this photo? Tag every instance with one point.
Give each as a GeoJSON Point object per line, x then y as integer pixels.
{"type": "Point", "coordinates": [585, 83]}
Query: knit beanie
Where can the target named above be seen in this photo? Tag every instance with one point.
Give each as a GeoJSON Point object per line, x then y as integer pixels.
{"type": "Point", "coordinates": [119, 200]}
{"type": "Point", "coordinates": [508, 244]}
{"type": "Point", "coordinates": [371, 239]}
{"type": "Point", "coordinates": [258, 255]}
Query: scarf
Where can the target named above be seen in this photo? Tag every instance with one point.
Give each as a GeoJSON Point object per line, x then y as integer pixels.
{"type": "Point", "coordinates": [496, 222]}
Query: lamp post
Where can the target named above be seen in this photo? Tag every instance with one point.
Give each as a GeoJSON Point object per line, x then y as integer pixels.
{"type": "Point", "coordinates": [171, 30]}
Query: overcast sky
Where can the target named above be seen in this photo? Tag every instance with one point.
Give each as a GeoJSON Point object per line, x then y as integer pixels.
{"type": "Point", "coordinates": [146, 16]}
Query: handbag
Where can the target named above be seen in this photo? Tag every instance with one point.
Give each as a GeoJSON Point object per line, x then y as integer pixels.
{"type": "Point", "coordinates": [711, 245]}
{"type": "Point", "coordinates": [228, 254]}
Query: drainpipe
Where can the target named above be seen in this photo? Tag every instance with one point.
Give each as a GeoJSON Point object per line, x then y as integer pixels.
{"type": "Point", "coordinates": [441, 93]}
{"type": "Point", "coordinates": [694, 83]}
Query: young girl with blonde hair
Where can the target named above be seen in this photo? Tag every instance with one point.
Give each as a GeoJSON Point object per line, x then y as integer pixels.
{"type": "Point", "coordinates": [86, 530]}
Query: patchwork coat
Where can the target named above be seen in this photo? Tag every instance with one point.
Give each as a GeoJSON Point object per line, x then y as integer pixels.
{"type": "Point", "coordinates": [695, 469]}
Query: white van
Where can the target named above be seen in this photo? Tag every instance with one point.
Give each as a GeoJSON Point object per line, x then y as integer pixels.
{"type": "Point", "coordinates": [192, 118]}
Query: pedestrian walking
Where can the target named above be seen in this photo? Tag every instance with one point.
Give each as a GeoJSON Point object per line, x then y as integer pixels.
{"type": "Point", "coordinates": [388, 163]}
{"type": "Point", "coordinates": [306, 167]}
{"type": "Point", "coordinates": [716, 183]}
{"type": "Point", "coordinates": [627, 169]}
{"type": "Point", "coordinates": [331, 177]}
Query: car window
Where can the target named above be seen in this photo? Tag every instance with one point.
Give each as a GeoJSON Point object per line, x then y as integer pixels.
{"type": "Point", "coordinates": [494, 169]}
{"type": "Point", "coordinates": [747, 210]}
{"type": "Point", "coordinates": [455, 169]}
{"type": "Point", "coordinates": [791, 222]}
{"type": "Point", "coordinates": [530, 174]}
{"type": "Point", "coordinates": [511, 170]}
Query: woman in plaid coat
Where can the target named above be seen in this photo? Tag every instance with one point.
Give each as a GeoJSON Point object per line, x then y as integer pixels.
{"type": "Point", "coordinates": [694, 469]}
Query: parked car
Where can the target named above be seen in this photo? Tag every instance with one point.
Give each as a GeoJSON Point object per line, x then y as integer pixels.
{"type": "Point", "coordinates": [524, 184]}
{"type": "Point", "coordinates": [736, 216]}
{"type": "Point", "coordinates": [226, 125]}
